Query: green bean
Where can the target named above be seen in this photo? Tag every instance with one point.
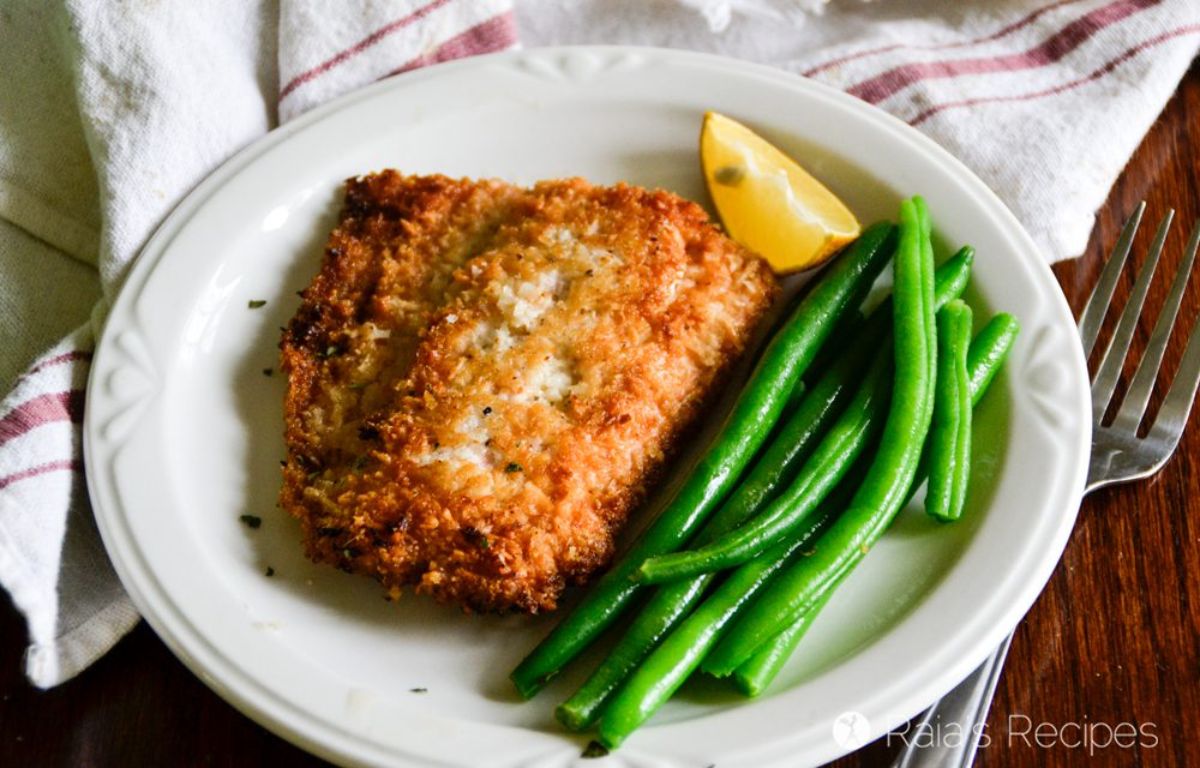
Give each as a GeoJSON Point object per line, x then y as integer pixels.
{"type": "Point", "coordinates": [986, 356]}
{"type": "Point", "coordinates": [845, 441]}
{"type": "Point", "coordinates": [670, 664]}
{"type": "Point", "coordinates": [662, 613]}
{"type": "Point", "coordinates": [950, 280]}
{"type": "Point", "coordinates": [797, 587]}
{"type": "Point", "coordinates": [791, 444]}
{"type": "Point", "coordinates": [794, 440]}
{"type": "Point", "coordinates": [674, 660]}
{"type": "Point", "coordinates": [756, 673]}
{"type": "Point", "coordinates": [984, 359]}
{"type": "Point", "coordinates": [988, 352]}
{"type": "Point", "coordinates": [745, 429]}
{"type": "Point", "coordinates": [949, 448]}
{"type": "Point", "coordinates": [844, 336]}
{"type": "Point", "coordinates": [951, 277]}
{"type": "Point", "coordinates": [671, 602]}
{"type": "Point", "coordinates": [836, 451]}
{"type": "Point", "coordinates": [797, 394]}
{"type": "Point", "coordinates": [891, 475]}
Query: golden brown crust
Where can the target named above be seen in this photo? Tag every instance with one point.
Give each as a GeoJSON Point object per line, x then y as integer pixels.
{"type": "Point", "coordinates": [482, 378]}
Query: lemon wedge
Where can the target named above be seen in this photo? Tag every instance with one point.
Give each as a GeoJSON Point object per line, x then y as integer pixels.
{"type": "Point", "coordinates": [767, 202]}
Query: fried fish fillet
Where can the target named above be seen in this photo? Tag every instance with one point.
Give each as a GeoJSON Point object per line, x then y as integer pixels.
{"type": "Point", "coordinates": [482, 379]}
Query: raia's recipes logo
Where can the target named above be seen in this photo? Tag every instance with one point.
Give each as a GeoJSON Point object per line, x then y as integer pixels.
{"type": "Point", "coordinates": [851, 730]}
{"type": "Point", "coordinates": [1022, 731]}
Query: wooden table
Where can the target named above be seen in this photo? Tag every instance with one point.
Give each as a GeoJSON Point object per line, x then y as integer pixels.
{"type": "Point", "coordinates": [1114, 638]}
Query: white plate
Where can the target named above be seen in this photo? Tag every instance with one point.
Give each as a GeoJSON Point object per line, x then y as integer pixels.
{"type": "Point", "coordinates": [183, 429]}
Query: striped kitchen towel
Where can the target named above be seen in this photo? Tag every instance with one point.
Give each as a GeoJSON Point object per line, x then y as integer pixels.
{"type": "Point", "coordinates": [159, 94]}
{"type": "Point", "coordinates": [1045, 100]}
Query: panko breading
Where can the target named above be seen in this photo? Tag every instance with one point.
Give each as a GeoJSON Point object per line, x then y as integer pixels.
{"type": "Point", "coordinates": [482, 379]}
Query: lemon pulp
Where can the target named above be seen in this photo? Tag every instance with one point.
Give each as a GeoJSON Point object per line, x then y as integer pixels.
{"type": "Point", "coordinates": [767, 202]}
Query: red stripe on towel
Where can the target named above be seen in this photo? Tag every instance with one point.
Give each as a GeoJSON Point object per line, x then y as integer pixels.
{"type": "Point", "coordinates": [43, 409]}
{"type": "Point", "coordinates": [1095, 75]}
{"type": "Point", "coordinates": [495, 34]}
{"type": "Point", "coordinates": [360, 46]}
{"type": "Point", "coordinates": [65, 357]}
{"type": "Point", "coordinates": [43, 469]}
{"type": "Point", "coordinates": [1051, 50]}
{"type": "Point", "coordinates": [1016, 26]}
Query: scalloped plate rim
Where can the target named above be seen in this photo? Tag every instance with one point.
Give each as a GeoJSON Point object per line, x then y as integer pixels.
{"type": "Point", "coordinates": [327, 739]}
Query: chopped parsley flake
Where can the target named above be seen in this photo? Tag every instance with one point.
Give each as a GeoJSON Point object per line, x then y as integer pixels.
{"type": "Point", "coordinates": [512, 467]}
{"type": "Point", "coordinates": [256, 303]}
{"type": "Point", "coordinates": [251, 521]}
{"type": "Point", "coordinates": [418, 690]}
{"type": "Point", "coordinates": [268, 371]}
{"type": "Point", "coordinates": [270, 571]}
{"type": "Point", "coordinates": [476, 537]}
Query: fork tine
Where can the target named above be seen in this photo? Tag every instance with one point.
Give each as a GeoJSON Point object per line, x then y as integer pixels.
{"type": "Point", "coordinates": [1134, 407]}
{"type": "Point", "coordinates": [1114, 357]}
{"type": "Point", "coordinates": [1173, 416]}
{"type": "Point", "coordinates": [1097, 303]}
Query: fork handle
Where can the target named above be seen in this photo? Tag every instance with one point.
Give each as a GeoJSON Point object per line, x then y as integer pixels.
{"type": "Point", "coordinates": [966, 705]}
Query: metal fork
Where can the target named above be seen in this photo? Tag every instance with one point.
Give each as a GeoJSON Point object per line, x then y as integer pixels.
{"type": "Point", "coordinates": [1118, 456]}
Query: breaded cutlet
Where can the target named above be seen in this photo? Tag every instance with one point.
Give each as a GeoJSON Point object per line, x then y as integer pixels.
{"type": "Point", "coordinates": [483, 378]}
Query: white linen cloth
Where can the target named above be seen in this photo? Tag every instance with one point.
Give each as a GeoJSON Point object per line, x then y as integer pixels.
{"type": "Point", "coordinates": [111, 112]}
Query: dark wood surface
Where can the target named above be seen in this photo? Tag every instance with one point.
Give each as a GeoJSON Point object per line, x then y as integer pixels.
{"type": "Point", "coordinates": [1114, 639]}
